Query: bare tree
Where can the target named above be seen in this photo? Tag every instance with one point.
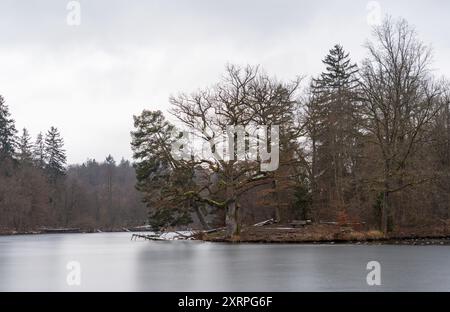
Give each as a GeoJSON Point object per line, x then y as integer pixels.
{"type": "Point", "coordinates": [400, 98]}
{"type": "Point", "coordinates": [244, 98]}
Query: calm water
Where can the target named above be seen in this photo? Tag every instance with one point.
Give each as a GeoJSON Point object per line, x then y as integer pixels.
{"type": "Point", "coordinates": [111, 262]}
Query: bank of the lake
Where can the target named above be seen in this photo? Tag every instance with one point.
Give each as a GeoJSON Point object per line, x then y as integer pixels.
{"type": "Point", "coordinates": [62, 230]}
{"type": "Point", "coordinates": [333, 234]}
{"type": "Point", "coordinates": [285, 234]}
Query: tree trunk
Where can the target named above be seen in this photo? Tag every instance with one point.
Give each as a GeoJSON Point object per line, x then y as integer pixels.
{"type": "Point", "coordinates": [385, 210]}
{"type": "Point", "coordinates": [232, 210]}
{"type": "Point", "coordinates": [200, 216]}
{"type": "Point", "coordinates": [232, 220]}
{"type": "Point", "coordinates": [313, 210]}
{"type": "Point", "coordinates": [278, 215]}
{"type": "Point", "coordinates": [385, 213]}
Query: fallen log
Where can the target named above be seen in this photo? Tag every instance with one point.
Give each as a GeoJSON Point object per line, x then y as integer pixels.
{"type": "Point", "coordinates": [328, 223]}
{"type": "Point", "coordinates": [167, 236]}
{"type": "Point", "coordinates": [263, 223]}
{"type": "Point", "coordinates": [185, 236]}
{"type": "Point", "coordinates": [214, 230]}
{"type": "Point", "coordinates": [146, 236]}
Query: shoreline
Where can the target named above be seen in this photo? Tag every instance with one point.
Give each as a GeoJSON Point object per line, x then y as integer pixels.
{"type": "Point", "coordinates": [332, 235]}
{"type": "Point", "coordinates": [431, 241]}
{"type": "Point", "coordinates": [97, 231]}
{"type": "Point", "coordinates": [310, 235]}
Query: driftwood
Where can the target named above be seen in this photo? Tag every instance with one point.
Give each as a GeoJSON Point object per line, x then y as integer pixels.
{"type": "Point", "coordinates": [263, 223]}
{"type": "Point", "coordinates": [214, 230]}
{"type": "Point", "coordinates": [163, 236]}
{"type": "Point", "coordinates": [185, 236]}
{"type": "Point", "coordinates": [328, 223]}
{"type": "Point", "coordinates": [146, 236]}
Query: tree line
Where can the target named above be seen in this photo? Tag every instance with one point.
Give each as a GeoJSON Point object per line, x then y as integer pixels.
{"type": "Point", "coordinates": [38, 189]}
{"type": "Point", "coordinates": [365, 142]}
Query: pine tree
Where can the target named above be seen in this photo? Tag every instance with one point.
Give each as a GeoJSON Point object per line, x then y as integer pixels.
{"type": "Point", "coordinates": [150, 141]}
{"type": "Point", "coordinates": [8, 140]}
{"type": "Point", "coordinates": [25, 154]}
{"type": "Point", "coordinates": [39, 151]}
{"type": "Point", "coordinates": [55, 154]}
{"type": "Point", "coordinates": [339, 74]}
{"type": "Point", "coordinates": [336, 125]}
{"type": "Point", "coordinates": [110, 172]}
{"type": "Point", "coordinates": [155, 172]}
{"type": "Point", "coordinates": [110, 161]}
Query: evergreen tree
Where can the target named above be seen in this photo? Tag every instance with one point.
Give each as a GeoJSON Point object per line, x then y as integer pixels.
{"type": "Point", "coordinates": [340, 73]}
{"type": "Point", "coordinates": [110, 172]}
{"type": "Point", "coordinates": [55, 154]}
{"type": "Point", "coordinates": [336, 127]}
{"type": "Point", "coordinates": [8, 140]}
{"type": "Point", "coordinates": [150, 142]}
{"type": "Point", "coordinates": [110, 161]}
{"type": "Point", "coordinates": [25, 153]}
{"type": "Point", "coordinates": [157, 175]}
{"type": "Point", "coordinates": [39, 151]}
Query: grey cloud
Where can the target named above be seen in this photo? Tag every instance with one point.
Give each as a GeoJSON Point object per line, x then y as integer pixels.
{"type": "Point", "coordinates": [129, 55]}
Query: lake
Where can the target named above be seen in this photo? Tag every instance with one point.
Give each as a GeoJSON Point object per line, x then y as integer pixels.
{"type": "Point", "coordinates": [112, 262]}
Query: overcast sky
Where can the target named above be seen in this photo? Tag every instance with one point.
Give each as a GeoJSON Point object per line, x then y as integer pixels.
{"type": "Point", "coordinates": [125, 56]}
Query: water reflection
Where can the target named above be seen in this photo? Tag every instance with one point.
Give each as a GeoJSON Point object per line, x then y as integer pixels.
{"type": "Point", "coordinates": [111, 262]}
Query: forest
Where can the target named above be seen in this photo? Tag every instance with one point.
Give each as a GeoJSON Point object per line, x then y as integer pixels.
{"type": "Point", "coordinates": [38, 190]}
{"type": "Point", "coordinates": [363, 142]}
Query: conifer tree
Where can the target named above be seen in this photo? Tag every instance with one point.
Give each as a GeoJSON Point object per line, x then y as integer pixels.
{"type": "Point", "coordinates": [39, 151]}
{"type": "Point", "coordinates": [25, 150]}
{"type": "Point", "coordinates": [340, 73]}
{"type": "Point", "coordinates": [150, 143]}
{"type": "Point", "coordinates": [55, 154]}
{"type": "Point", "coordinates": [8, 140]}
{"type": "Point", "coordinates": [110, 172]}
{"type": "Point", "coordinates": [336, 125]}
{"type": "Point", "coordinates": [156, 172]}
